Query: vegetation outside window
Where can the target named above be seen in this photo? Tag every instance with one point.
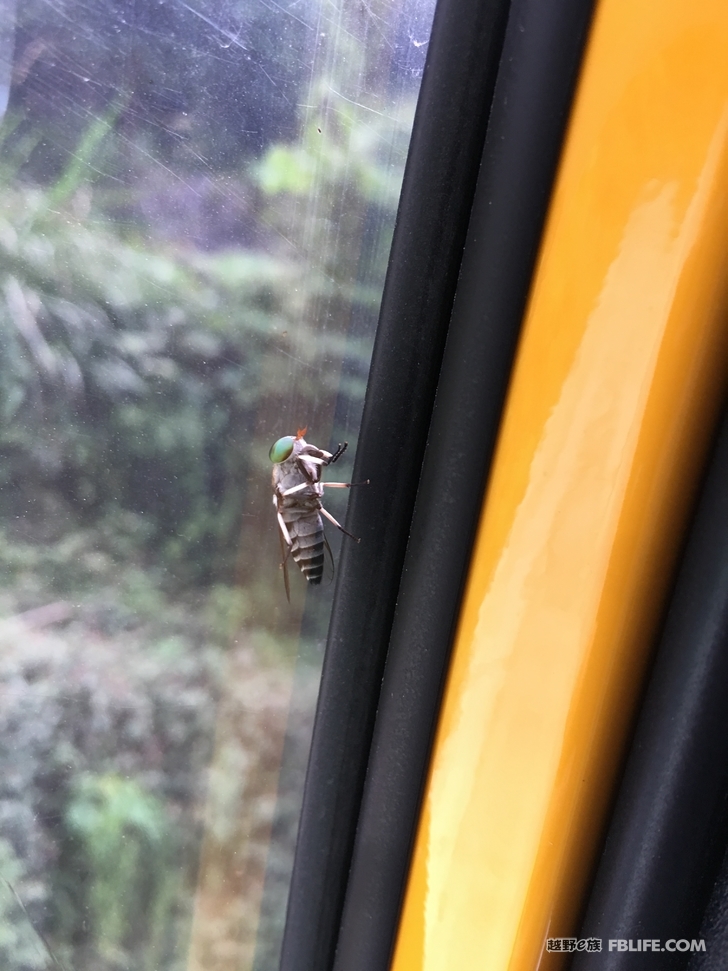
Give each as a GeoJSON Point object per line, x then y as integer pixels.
{"type": "Point", "coordinates": [195, 216]}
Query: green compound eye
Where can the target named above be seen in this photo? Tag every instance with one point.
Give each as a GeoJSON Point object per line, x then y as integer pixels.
{"type": "Point", "coordinates": [282, 449]}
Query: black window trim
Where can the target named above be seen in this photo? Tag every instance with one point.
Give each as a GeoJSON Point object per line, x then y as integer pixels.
{"type": "Point", "coordinates": [520, 59]}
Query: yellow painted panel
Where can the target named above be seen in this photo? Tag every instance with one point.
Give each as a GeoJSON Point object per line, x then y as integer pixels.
{"type": "Point", "coordinates": [618, 380]}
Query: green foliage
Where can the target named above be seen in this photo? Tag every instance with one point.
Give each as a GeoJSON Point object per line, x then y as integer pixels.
{"type": "Point", "coordinates": [343, 164]}
{"type": "Point", "coordinates": [287, 169]}
{"type": "Point", "coordinates": [174, 71]}
{"type": "Point", "coordinates": [353, 151]}
{"type": "Point", "coordinates": [128, 376]}
{"type": "Point", "coordinates": [123, 845]}
{"type": "Point", "coordinates": [85, 158]}
{"type": "Point", "coordinates": [103, 741]}
{"type": "Point", "coordinates": [227, 609]}
{"type": "Point", "coordinates": [134, 369]}
{"type": "Point", "coordinates": [190, 263]}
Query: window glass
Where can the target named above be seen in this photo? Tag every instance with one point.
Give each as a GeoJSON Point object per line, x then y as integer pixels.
{"type": "Point", "coordinates": [196, 206]}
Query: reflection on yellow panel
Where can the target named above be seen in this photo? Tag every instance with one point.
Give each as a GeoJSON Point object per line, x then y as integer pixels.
{"type": "Point", "coordinates": [618, 379]}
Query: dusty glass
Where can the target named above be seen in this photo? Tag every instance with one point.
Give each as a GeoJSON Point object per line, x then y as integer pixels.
{"type": "Point", "coordinates": [196, 207]}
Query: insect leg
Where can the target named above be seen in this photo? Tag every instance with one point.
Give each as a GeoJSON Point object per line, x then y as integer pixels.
{"type": "Point", "coordinates": [340, 485]}
{"type": "Point", "coordinates": [301, 485]}
{"type": "Point", "coordinates": [284, 531]}
{"type": "Point", "coordinates": [338, 525]}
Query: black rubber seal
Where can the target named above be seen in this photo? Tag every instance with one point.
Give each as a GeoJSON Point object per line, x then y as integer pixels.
{"type": "Point", "coordinates": [439, 183]}
{"type": "Point", "coordinates": [542, 52]}
{"type": "Point", "coordinates": [668, 833]}
{"type": "Point", "coordinates": [714, 929]}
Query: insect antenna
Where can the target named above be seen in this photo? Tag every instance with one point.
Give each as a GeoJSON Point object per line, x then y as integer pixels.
{"type": "Point", "coordinates": [338, 453]}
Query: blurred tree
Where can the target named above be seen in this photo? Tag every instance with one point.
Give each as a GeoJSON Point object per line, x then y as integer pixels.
{"type": "Point", "coordinates": [119, 838]}
{"type": "Point", "coordinates": [209, 79]}
{"type": "Point", "coordinates": [196, 206]}
{"type": "Point", "coordinates": [21, 947]}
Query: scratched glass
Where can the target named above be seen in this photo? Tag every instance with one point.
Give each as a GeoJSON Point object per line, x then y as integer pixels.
{"type": "Point", "coordinates": [196, 207]}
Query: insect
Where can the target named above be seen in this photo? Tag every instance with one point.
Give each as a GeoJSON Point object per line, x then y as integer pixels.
{"type": "Point", "coordinates": [297, 494]}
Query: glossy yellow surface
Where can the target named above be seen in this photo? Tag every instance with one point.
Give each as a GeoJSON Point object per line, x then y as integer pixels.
{"type": "Point", "coordinates": [618, 380]}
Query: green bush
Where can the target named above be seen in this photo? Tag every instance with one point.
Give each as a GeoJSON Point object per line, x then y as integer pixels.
{"type": "Point", "coordinates": [121, 838]}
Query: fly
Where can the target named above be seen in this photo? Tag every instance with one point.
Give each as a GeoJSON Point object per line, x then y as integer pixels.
{"type": "Point", "coordinates": [297, 494]}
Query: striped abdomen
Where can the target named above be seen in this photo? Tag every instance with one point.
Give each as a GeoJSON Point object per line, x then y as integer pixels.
{"type": "Point", "coordinates": [307, 541]}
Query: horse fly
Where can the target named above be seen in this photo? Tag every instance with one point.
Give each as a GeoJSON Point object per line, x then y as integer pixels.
{"type": "Point", "coordinates": [297, 494]}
